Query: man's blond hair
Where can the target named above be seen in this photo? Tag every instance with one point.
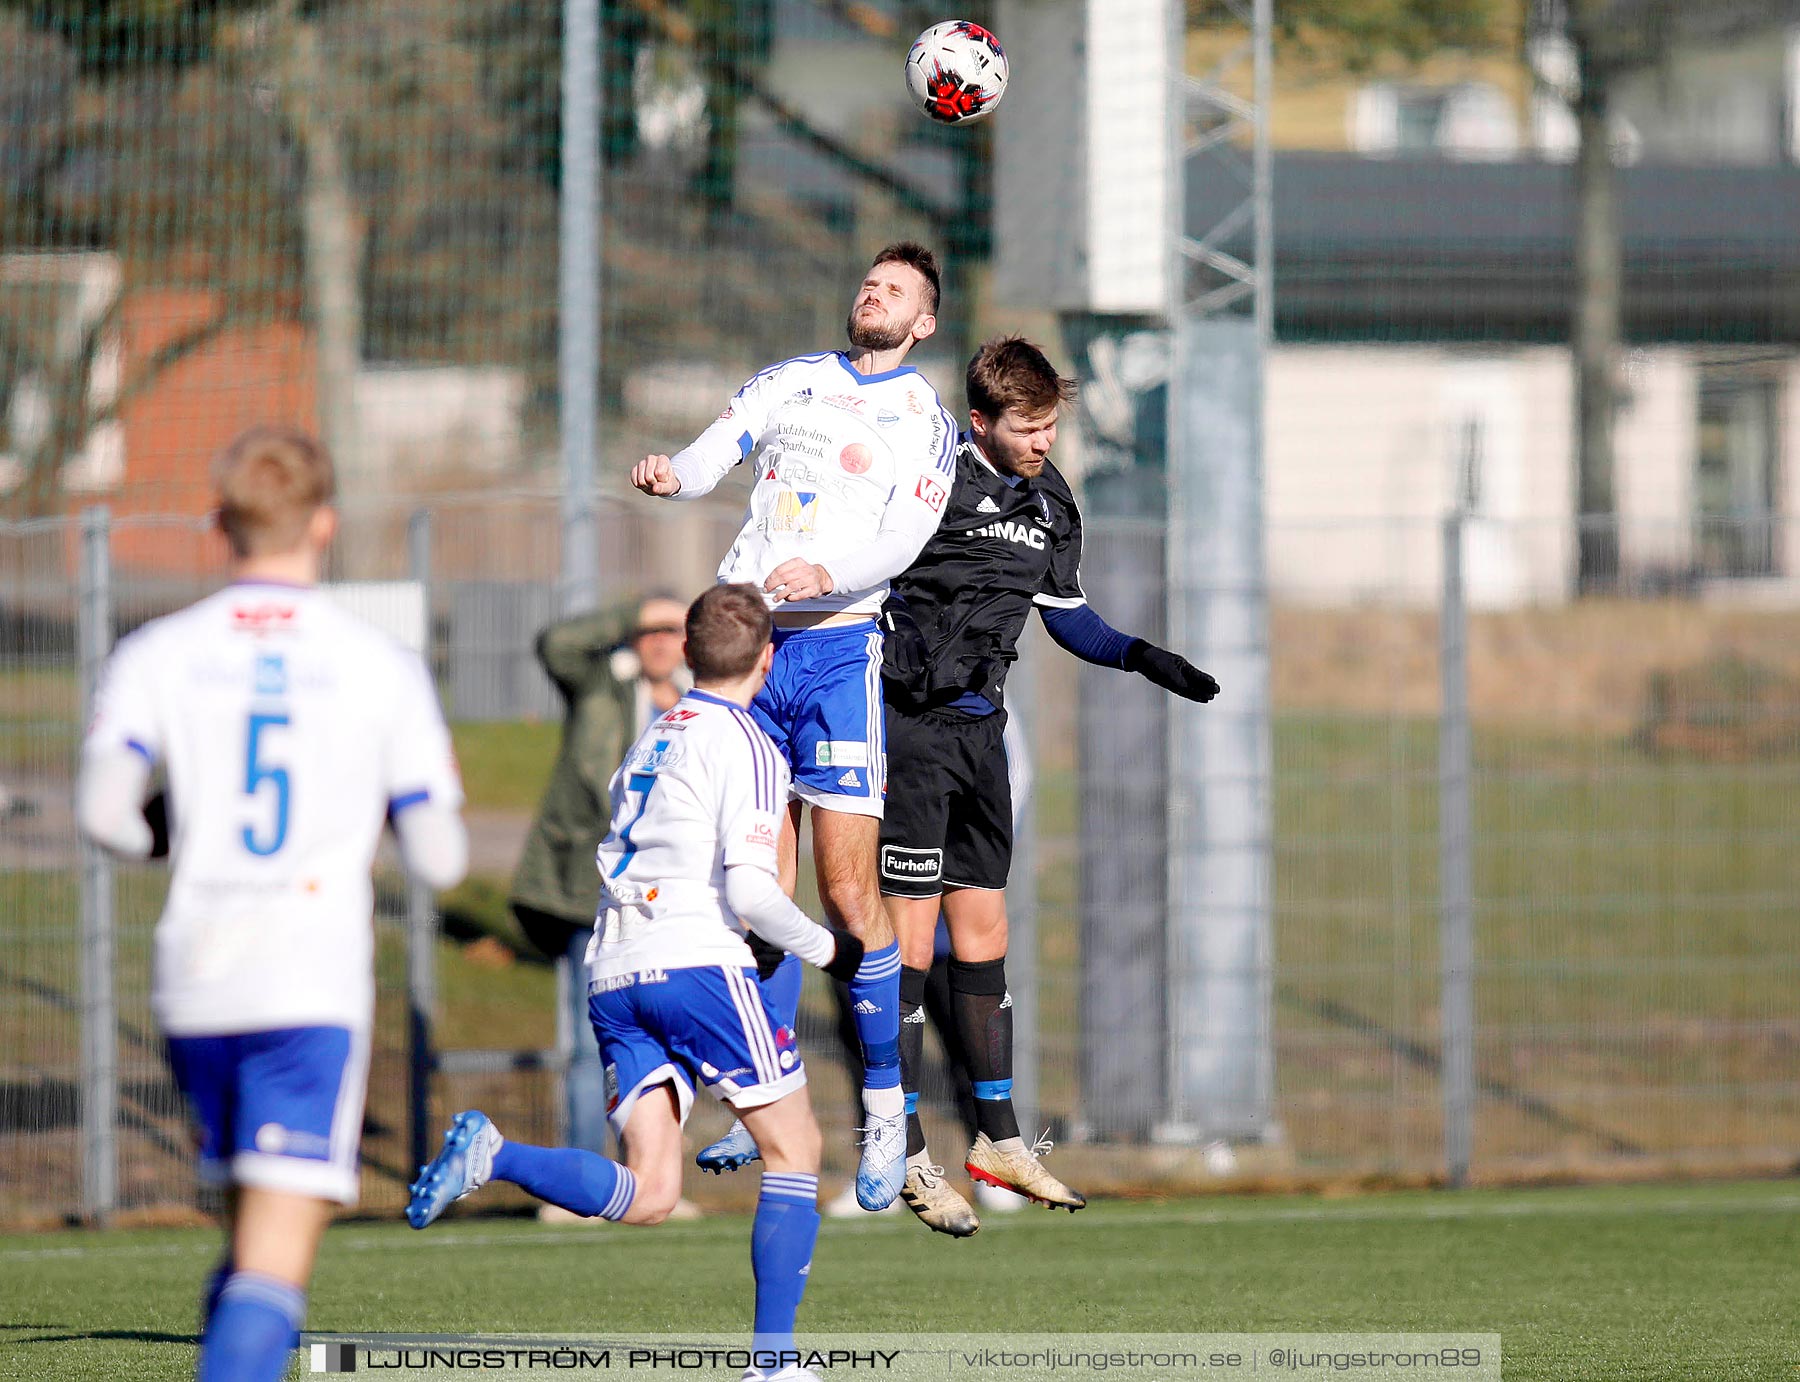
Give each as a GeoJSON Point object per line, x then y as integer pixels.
{"type": "Point", "coordinates": [270, 481]}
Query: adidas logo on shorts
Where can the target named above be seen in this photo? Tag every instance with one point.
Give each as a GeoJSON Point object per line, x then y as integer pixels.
{"type": "Point", "coordinates": [850, 779]}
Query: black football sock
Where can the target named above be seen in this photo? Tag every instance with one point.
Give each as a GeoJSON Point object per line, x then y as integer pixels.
{"type": "Point", "coordinates": [940, 1015]}
{"type": "Point", "coordinates": [983, 1010]}
{"type": "Point", "coordinates": [912, 1053]}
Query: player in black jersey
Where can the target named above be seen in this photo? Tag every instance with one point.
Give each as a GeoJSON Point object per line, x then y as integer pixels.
{"type": "Point", "coordinates": [1010, 539]}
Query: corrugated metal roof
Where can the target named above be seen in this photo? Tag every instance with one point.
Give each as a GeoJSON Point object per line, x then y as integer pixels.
{"type": "Point", "coordinates": [1435, 249]}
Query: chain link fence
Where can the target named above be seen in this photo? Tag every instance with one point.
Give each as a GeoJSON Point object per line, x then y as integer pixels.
{"type": "Point", "coordinates": [1633, 785]}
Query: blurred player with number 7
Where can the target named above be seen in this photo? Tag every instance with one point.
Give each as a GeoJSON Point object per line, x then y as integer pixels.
{"type": "Point", "coordinates": [687, 871]}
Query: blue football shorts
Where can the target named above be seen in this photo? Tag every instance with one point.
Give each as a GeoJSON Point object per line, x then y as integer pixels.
{"type": "Point", "coordinates": [279, 1109]}
{"type": "Point", "coordinates": [822, 707]}
{"type": "Point", "coordinates": [705, 1027]}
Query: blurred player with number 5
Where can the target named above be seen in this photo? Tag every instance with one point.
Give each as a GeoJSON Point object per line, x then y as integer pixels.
{"type": "Point", "coordinates": [289, 732]}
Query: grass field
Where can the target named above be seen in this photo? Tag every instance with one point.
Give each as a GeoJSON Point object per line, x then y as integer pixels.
{"type": "Point", "coordinates": [1695, 1281]}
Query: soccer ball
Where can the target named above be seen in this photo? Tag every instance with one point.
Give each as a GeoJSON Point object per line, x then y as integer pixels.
{"type": "Point", "coordinates": [956, 72]}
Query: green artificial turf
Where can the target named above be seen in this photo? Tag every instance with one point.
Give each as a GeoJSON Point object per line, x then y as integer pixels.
{"type": "Point", "coordinates": [1691, 1281]}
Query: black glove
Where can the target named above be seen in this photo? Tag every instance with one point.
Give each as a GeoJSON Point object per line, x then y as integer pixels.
{"type": "Point", "coordinates": [1171, 671]}
{"type": "Point", "coordinates": [846, 958]}
{"type": "Point", "coordinates": [768, 957]}
{"type": "Point", "coordinates": [156, 816]}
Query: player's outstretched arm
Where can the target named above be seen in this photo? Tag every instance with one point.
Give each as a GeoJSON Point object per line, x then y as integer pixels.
{"type": "Point", "coordinates": [1078, 628]}
{"type": "Point", "coordinates": [109, 803]}
{"type": "Point", "coordinates": [756, 897]}
{"type": "Point", "coordinates": [433, 843]}
{"type": "Point", "coordinates": [699, 466]}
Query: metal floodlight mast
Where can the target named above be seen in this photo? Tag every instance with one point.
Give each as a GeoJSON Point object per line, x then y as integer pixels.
{"type": "Point", "coordinates": [578, 329]}
{"type": "Point", "coordinates": [1219, 1079]}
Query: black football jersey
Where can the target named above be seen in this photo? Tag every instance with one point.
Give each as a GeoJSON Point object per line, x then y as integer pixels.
{"type": "Point", "coordinates": [1000, 549]}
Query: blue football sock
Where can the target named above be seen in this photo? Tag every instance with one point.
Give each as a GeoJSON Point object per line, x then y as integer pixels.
{"type": "Point", "coordinates": [875, 999]}
{"type": "Point", "coordinates": [781, 992]}
{"type": "Point", "coordinates": [584, 1183]}
{"type": "Point", "coordinates": [252, 1331]}
{"type": "Point", "coordinates": [781, 1249]}
{"type": "Point", "coordinates": [209, 1303]}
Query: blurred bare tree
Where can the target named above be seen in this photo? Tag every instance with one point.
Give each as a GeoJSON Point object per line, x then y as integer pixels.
{"type": "Point", "coordinates": [348, 165]}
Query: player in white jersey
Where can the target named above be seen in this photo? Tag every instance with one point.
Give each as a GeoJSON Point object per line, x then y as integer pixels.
{"type": "Point", "coordinates": [854, 458]}
{"type": "Point", "coordinates": [690, 863]}
{"type": "Point", "coordinates": [287, 732]}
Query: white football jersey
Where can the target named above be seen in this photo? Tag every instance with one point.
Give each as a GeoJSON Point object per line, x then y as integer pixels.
{"type": "Point", "coordinates": [839, 455]}
{"type": "Point", "coordinates": [288, 730]}
{"type": "Point", "coordinates": [703, 789]}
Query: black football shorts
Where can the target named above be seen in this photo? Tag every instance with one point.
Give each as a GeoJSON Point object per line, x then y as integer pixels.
{"type": "Point", "coordinates": [948, 822]}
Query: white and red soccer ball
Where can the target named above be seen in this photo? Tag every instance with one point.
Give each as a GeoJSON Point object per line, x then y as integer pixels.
{"type": "Point", "coordinates": [956, 72]}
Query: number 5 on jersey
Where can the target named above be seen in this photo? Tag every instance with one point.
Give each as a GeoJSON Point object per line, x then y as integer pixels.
{"type": "Point", "coordinates": [257, 772]}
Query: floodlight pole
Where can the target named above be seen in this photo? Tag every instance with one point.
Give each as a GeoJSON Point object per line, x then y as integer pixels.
{"type": "Point", "coordinates": [578, 335]}
{"type": "Point", "coordinates": [1219, 1079]}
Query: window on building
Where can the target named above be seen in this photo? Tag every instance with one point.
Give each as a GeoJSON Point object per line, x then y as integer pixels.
{"type": "Point", "coordinates": [1736, 468]}
{"type": "Point", "coordinates": [1462, 120]}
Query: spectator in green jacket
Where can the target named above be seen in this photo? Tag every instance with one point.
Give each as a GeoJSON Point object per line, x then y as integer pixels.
{"type": "Point", "coordinates": [616, 671]}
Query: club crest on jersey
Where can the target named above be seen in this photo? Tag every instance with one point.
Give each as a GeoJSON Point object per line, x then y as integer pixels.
{"type": "Point", "coordinates": [271, 674]}
{"type": "Point", "coordinates": [886, 418]}
{"type": "Point", "coordinates": [931, 492]}
{"type": "Point", "coordinates": [796, 511]}
{"type": "Point", "coordinates": [857, 458]}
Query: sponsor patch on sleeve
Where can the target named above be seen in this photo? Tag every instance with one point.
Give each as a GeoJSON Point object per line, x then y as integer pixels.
{"type": "Point", "coordinates": [931, 492]}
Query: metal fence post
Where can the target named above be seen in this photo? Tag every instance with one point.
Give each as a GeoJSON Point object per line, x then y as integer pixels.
{"type": "Point", "coordinates": [421, 913]}
{"type": "Point", "coordinates": [578, 336]}
{"type": "Point", "coordinates": [1456, 940]}
{"type": "Point", "coordinates": [99, 1003]}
